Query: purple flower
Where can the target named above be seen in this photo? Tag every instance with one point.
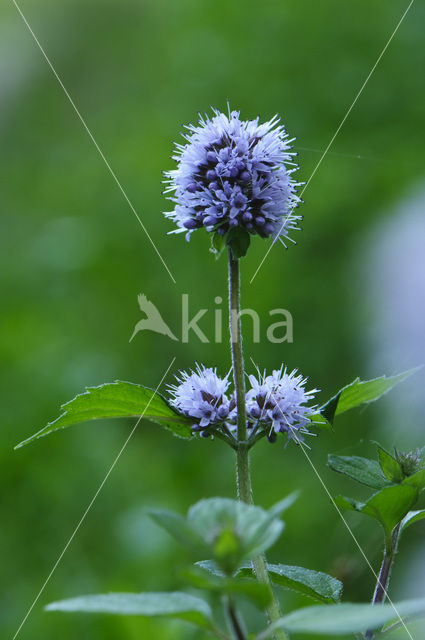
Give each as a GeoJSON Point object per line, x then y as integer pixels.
{"type": "Point", "coordinates": [280, 400]}
{"type": "Point", "coordinates": [234, 174]}
{"type": "Point", "coordinates": [201, 394]}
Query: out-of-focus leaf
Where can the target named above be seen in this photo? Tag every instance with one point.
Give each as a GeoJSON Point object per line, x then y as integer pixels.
{"type": "Point", "coordinates": [363, 470]}
{"type": "Point", "coordinates": [178, 526]}
{"type": "Point", "coordinates": [176, 604]}
{"type": "Point", "coordinates": [344, 619]}
{"type": "Point", "coordinates": [315, 584]}
{"type": "Point", "coordinates": [284, 504]}
{"type": "Point", "coordinates": [117, 400]}
{"type": "Point", "coordinates": [201, 578]}
{"type": "Point", "coordinates": [361, 392]}
{"type": "Point", "coordinates": [254, 528]}
{"type": "Point", "coordinates": [389, 465]}
{"type": "Point", "coordinates": [229, 531]}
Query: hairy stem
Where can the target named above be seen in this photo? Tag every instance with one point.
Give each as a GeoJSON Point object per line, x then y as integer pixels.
{"type": "Point", "coordinates": [242, 451]}
{"type": "Point", "coordinates": [383, 581]}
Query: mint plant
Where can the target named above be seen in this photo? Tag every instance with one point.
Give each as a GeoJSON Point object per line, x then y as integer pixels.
{"type": "Point", "coordinates": [234, 179]}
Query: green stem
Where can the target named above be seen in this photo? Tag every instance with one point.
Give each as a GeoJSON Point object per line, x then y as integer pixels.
{"type": "Point", "coordinates": [383, 581]}
{"type": "Point", "coordinates": [242, 451]}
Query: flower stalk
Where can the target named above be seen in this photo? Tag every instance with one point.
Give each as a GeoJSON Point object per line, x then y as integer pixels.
{"type": "Point", "coordinates": [242, 450]}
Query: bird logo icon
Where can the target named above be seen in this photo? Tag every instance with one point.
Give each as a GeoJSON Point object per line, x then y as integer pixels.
{"type": "Point", "coordinates": [153, 320]}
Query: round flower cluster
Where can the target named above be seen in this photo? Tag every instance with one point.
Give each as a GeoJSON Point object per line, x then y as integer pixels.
{"type": "Point", "coordinates": [276, 403]}
{"type": "Point", "coordinates": [280, 401]}
{"type": "Point", "coordinates": [234, 173]}
{"type": "Point", "coordinates": [201, 394]}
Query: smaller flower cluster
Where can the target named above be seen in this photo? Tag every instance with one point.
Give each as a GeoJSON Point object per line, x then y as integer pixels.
{"type": "Point", "coordinates": [278, 403]}
{"type": "Point", "coordinates": [201, 394]}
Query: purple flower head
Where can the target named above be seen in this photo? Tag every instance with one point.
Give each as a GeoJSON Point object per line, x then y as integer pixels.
{"type": "Point", "coordinates": [201, 394]}
{"type": "Point", "coordinates": [280, 400]}
{"type": "Point", "coordinates": [234, 175]}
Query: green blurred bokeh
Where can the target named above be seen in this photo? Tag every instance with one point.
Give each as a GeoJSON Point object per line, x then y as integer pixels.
{"type": "Point", "coordinates": [74, 257]}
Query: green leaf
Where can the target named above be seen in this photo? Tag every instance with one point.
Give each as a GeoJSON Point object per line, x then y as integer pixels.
{"type": "Point", "coordinates": [238, 239]}
{"type": "Point", "coordinates": [314, 584]}
{"type": "Point", "coordinates": [319, 420]}
{"type": "Point", "coordinates": [344, 619]}
{"type": "Point", "coordinates": [229, 531]}
{"type": "Point", "coordinates": [177, 526]}
{"type": "Point", "coordinates": [284, 504]}
{"type": "Point", "coordinates": [416, 480]}
{"type": "Point", "coordinates": [388, 506]}
{"type": "Point", "coordinates": [176, 604]}
{"type": "Point", "coordinates": [218, 242]}
{"type": "Point", "coordinates": [117, 400]}
{"type": "Point", "coordinates": [254, 528]}
{"type": "Point", "coordinates": [389, 465]}
{"type": "Point", "coordinates": [328, 410]}
{"type": "Point", "coordinates": [411, 518]}
{"type": "Point", "coordinates": [202, 578]}
{"type": "Point", "coordinates": [361, 392]}
{"type": "Point", "coordinates": [363, 470]}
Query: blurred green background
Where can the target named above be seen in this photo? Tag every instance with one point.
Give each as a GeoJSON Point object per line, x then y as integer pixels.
{"type": "Point", "coordinates": [73, 259]}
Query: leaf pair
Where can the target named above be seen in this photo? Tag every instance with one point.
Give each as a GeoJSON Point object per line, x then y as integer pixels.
{"type": "Point", "coordinates": [397, 493]}
{"type": "Point", "coordinates": [389, 506]}
{"type": "Point", "coordinates": [228, 531]}
{"type": "Point", "coordinates": [124, 399]}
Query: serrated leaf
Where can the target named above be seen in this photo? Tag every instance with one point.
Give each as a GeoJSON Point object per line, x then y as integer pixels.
{"type": "Point", "coordinates": [361, 392]}
{"type": "Point", "coordinates": [201, 578]}
{"type": "Point", "coordinates": [363, 470]}
{"type": "Point", "coordinates": [389, 506]}
{"type": "Point", "coordinates": [389, 465]}
{"type": "Point", "coordinates": [344, 619]}
{"type": "Point", "coordinates": [411, 518]}
{"type": "Point", "coordinates": [238, 239]}
{"type": "Point", "coordinates": [117, 400]}
{"type": "Point", "coordinates": [315, 584]}
{"type": "Point", "coordinates": [175, 604]}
